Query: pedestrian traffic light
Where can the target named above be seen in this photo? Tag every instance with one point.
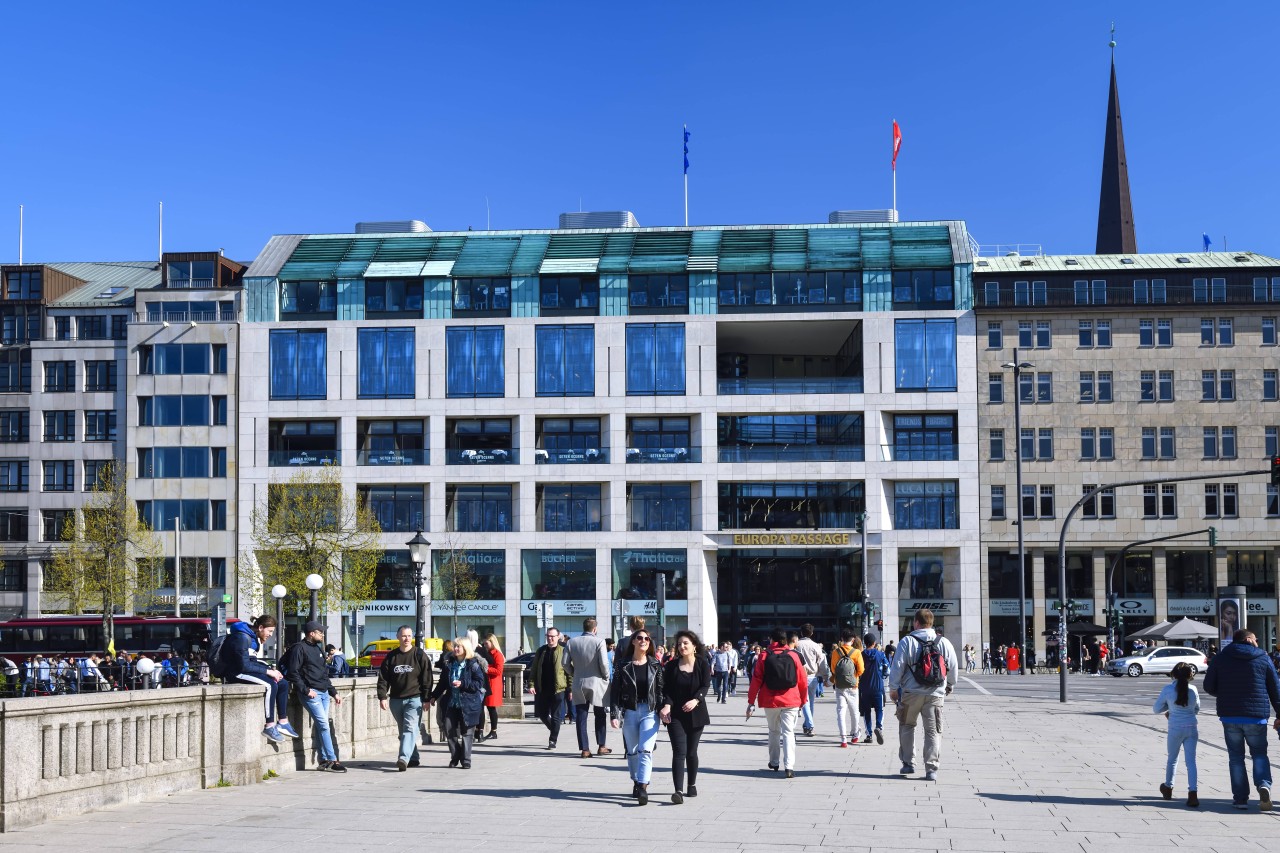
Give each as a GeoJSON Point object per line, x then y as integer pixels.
{"type": "Point", "coordinates": [1213, 536]}
{"type": "Point", "coordinates": [1275, 470]}
{"type": "Point", "coordinates": [879, 624]}
{"type": "Point", "coordinates": [1119, 621]}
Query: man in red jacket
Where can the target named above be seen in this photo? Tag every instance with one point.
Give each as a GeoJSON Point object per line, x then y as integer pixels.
{"type": "Point", "coordinates": [779, 685]}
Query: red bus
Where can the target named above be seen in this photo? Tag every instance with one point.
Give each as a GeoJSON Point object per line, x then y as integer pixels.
{"type": "Point", "coordinates": [79, 636]}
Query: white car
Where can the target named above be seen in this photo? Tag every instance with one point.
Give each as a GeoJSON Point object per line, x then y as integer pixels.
{"type": "Point", "coordinates": [1158, 660]}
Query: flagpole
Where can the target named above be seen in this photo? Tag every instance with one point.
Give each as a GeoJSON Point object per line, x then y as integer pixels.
{"type": "Point", "coordinates": [686, 199]}
{"type": "Point", "coordinates": [895, 193]}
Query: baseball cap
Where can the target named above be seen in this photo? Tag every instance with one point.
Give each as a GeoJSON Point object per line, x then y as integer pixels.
{"type": "Point", "coordinates": [313, 625]}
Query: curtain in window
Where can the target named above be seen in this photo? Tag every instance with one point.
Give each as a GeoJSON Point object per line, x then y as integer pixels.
{"type": "Point", "coordinates": [313, 373]}
{"type": "Point", "coordinates": [400, 363]}
{"type": "Point", "coordinates": [909, 343]}
{"type": "Point", "coordinates": [490, 373]}
{"type": "Point", "coordinates": [550, 360]}
{"type": "Point", "coordinates": [669, 346]}
{"type": "Point", "coordinates": [284, 365]}
{"type": "Point", "coordinates": [371, 353]}
{"type": "Point", "coordinates": [460, 358]}
{"type": "Point", "coordinates": [640, 366]}
{"type": "Point", "coordinates": [940, 355]}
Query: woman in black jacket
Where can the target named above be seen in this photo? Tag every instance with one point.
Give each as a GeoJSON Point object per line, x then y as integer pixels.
{"type": "Point", "coordinates": [461, 692]}
{"type": "Point", "coordinates": [635, 694]}
{"type": "Point", "coordinates": [685, 681]}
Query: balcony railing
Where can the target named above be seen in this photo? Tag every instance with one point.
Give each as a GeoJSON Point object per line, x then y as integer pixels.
{"type": "Point", "coordinates": [179, 317]}
{"type": "Point", "coordinates": [793, 453]}
{"type": "Point", "coordinates": [798, 385]}
{"type": "Point", "coordinates": [937, 453]}
{"type": "Point", "coordinates": [189, 283]}
{"type": "Point", "coordinates": [590, 456]}
{"type": "Point", "coordinates": [497, 456]}
{"type": "Point", "coordinates": [664, 455]}
{"type": "Point", "coordinates": [303, 458]}
{"type": "Point", "coordinates": [421, 456]}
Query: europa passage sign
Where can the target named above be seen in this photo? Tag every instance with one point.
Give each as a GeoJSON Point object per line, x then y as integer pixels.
{"type": "Point", "coordinates": [791, 539]}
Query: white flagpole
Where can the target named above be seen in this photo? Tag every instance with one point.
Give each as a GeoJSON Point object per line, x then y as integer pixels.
{"type": "Point", "coordinates": [686, 199]}
{"type": "Point", "coordinates": [20, 235]}
{"type": "Point", "coordinates": [177, 567]}
{"type": "Point", "coordinates": [895, 193]}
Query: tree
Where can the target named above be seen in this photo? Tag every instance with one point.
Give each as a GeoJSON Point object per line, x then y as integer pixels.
{"type": "Point", "coordinates": [309, 525]}
{"type": "Point", "coordinates": [454, 581]}
{"type": "Point", "coordinates": [106, 548]}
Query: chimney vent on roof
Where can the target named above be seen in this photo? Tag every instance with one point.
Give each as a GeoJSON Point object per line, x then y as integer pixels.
{"type": "Point", "coordinates": [397, 226]}
{"type": "Point", "coordinates": [848, 217]}
{"type": "Point", "coordinates": [599, 219]}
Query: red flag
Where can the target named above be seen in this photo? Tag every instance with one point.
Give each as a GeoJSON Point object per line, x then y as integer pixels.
{"type": "Point", "coordinates": [897, 143]}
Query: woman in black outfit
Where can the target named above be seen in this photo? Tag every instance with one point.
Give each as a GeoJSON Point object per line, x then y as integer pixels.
{"type": "Point", "coordinates": [686, 679]}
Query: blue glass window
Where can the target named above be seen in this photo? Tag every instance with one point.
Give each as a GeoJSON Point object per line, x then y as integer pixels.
{"type": "Point", "coordinates": [925, 351]}
{"type": "Point", "coordinates": [566, 357]}
{"type": "Point", "coordinates": [659, 506]}
{"type": "Point", "coordinates": [476, 508]}
{"type": "Point", "coordinates": [172, 462]}
{"type": "Point", "coordinates": [570, 507]}
{"type": "Point", "coordinates": [298, 365]}
{"type": "Point", "coordinates": [386, 363]}
{"type": "Point", "coordinates": [655, 358]}
{"type": "Point", "coordinates": [926, 505]}
{"type": "Point", "coordinates": [474, 356]}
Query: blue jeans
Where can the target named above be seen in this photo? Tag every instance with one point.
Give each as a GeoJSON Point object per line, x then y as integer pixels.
{"type": "Point", "coordinates": [318, 708]}
{"type": "Point", "coordinates": [1184, 738]}
{"type": "Point", "coordinates": [720, 683]}
{"type": "Point", "coordinates": [640, 732]}
{"type": "Point", "coordinates": [408, 714]}
{"type": "Point", "coordinates": [871, 702]}
{"type": "Point", "coordinates": [1237, 735]}
{"type": "Point", "coordinates": [806, 708]}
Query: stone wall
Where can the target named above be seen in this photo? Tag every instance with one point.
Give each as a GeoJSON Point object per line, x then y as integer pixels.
{"type": "Point", "coordinates": [67, 754]}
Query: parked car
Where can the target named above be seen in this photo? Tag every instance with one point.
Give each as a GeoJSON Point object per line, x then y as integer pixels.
{"type": "Point", "coordinates": [1158, 660]}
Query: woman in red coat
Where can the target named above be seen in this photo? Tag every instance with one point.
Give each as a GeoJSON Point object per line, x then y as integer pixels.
{"type": "Point", "coordinates": [494, 697]}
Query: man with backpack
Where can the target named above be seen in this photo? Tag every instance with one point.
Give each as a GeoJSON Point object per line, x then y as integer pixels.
{"type": "Point", "coordinates": [404, 679]}
{"type": "Point", "coordinates": [846, 669]}
{"type": "Point", "coordinates": [779, 685]}
{"type": "Point", "coordinates": [924, 671]}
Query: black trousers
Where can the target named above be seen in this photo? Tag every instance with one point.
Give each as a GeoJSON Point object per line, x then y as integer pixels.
{"type": "Point", "coordinates": [549, 709]}
{"type": "Point", "coordinates": [684, 751]}
{"type": "Point", "coordinates": [459, 735]}
{"type": "Point", "coordinates": [493, 720]}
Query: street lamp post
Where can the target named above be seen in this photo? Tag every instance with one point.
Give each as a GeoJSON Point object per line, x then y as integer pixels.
{"type": "Point", "coordinates": [418, 553]}
{"type": "Point", "coordinates": [661, 602]}
{"type": "Point", "coordinates": [278, 592]}
{"type": "Point", "coordinates": [1017, 367]}
{"type": "Point", "coordinates": [862, 593]}
{"type": "Point", "coordinates": [314, 583]}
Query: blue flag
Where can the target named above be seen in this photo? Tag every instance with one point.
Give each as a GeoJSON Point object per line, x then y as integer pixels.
{"type": "Point", "coordinates": [686, 149]}
{"type": "Point", "coordinates": [1204, 234]}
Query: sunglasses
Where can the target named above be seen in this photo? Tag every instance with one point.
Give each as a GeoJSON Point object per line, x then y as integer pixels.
{"type": "Point", "coordinates": [642, 639]}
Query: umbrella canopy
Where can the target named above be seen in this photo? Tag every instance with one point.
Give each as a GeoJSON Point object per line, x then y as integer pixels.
{"type": "Point", "coordinates": [1189, 629]}
{"type": "Point", "coordinates": [1156, 630]}
{"type": "Point", "coordinates": [1085, 629]}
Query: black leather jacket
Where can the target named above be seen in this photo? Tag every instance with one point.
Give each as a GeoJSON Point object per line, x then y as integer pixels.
{"type": "Point", "coordinates": [623, 689]}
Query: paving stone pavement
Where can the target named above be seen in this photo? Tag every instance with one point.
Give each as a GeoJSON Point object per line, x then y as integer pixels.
{"type": "Point", "coordinates": [1021, 775]}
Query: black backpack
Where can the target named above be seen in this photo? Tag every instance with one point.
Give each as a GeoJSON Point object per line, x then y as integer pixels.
{"type": "Point", "coordinates": [930, 668]}
{"type": "Point", "coordinates": [219, 657]}
{"type": "Point", "coordinates": [780, 670]}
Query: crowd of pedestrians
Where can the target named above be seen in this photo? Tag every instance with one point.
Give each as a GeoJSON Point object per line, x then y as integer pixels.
{"type": "Point", "coordinates": [52, 675]}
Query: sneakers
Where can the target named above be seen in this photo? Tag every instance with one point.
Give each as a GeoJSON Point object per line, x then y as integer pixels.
{"type": "Point", "coordinates": [773, 767]}
{"type": "Point", "coordinates": [867, 739]}
{"type": "Point", "coordinates": [1264, 799]}
{"type": "Point", "coordinates": [1193, 801]}
{"type": "Point", "coordinates": [844, 744]}
{"type": "Point", "coordinates": [415, 762]}
{"type": "Point", "coordinates": [906, 770]}
{"type": "Point", "coordinates": [1239, 806]}
{"type": "Point", "coordinates": [333, 766]}
{"type": "Point", "coordinates": [791, 774]}
{"type": "Point", "coordinates": [402, 765]}
{"type": "Point", "coordinates": [551, 743]}
{"type": "Point", "coordinates": [808, 732]}
{"type": "Point", "coordinates": [677, 798]}
{"type": "Point", "coordinates": [879, 736]}
{"type": "Point", "coordinates": [692, 791]}
{"type": "Point", "coordinates": [287, 730]}
{"type": "Point", "coordinates": [272, 734]}
{"type": "Point", "coordinates": [931, 775]}
{"type": "Point", "coordinates": [1166, 791]}
{"type": "Point", "coordinates": [604, 750]}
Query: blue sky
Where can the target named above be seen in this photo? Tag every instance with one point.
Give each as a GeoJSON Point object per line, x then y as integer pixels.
{"type": "Point", "coordinates": [251, 119]}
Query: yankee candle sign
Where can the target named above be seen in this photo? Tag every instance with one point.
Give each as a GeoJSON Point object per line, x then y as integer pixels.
{"type": "Point", "coordinates": [791, 539]}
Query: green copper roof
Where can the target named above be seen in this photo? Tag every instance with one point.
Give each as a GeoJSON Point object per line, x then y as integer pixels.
{"type": "Point", "coordinates": [752, 248]}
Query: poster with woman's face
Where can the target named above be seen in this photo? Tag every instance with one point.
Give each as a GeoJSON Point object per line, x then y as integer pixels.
{"type": "Point", "coordinates": [1228, 618]}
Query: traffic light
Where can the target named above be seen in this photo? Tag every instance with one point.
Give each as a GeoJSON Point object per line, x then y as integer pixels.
{"type": "Point", "coordinates": [879, 624]}
{"type": "Point", "coordinates": [1213, 536]}
{"type": "Point", "coordinates": [1275, 470]}
{"type": "Point", "coordinates": [1120, 622]}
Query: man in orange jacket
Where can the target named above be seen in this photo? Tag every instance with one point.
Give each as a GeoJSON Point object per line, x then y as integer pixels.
{"type": "Point", "coordinates": [779, 685]}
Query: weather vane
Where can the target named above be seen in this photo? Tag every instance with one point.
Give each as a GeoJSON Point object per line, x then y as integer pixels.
{"type": "Point", "coordinates": [1113, 39]}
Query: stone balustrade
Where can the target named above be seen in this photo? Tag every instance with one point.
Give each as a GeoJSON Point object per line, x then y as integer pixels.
{"type": "Point", "coordinates": [68, 754]}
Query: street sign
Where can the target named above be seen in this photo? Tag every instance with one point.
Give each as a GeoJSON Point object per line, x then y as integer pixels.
{"type": "Point", "coordinates": [546, 614]}
{"type": "Point", "coordinates": [226, 598]}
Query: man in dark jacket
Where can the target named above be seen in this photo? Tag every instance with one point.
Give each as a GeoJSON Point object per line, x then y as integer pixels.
{"type": "Point", "coordinates": [405, 679]}
{"type": "Point", "coordinates": [549, 685]}
{"type": "Point", "coordinates": [308, 674]}
{"type": "Point", "coordinates": [1247, 688]}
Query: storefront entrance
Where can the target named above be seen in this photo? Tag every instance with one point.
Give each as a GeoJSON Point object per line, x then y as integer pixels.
{"type": "Point", "coordinates": [761, 589]}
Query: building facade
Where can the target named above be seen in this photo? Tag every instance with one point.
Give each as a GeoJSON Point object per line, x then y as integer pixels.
{"type": "Point", "coordinates": [578, 413]}
{"type": "Point", "coordinates": [1142, 367]}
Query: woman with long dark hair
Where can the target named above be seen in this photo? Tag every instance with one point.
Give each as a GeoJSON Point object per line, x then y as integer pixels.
{"type": "Point", "coordinates": [685, 681]}
{"type": "Point", "coordinates": [1180, 703]}
{"type": "Point", "coordinates": [635, 696]}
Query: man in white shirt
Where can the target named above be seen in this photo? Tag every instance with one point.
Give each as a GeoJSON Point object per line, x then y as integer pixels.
{"type": "Point", "coordinates": [811, 653]}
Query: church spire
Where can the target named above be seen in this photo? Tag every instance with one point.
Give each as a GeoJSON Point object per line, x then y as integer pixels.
{"type": "Point", "coordinates": [1115, 209]}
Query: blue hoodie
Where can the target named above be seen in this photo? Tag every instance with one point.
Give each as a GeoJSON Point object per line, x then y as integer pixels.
{"type": "Point", "coordinates": [1245, 683]}
{"type": "Point", "coordinates": [242, 638]}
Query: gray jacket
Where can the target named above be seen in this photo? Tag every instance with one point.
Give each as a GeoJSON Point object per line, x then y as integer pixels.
{"type": "Point", "coordinates": [587, 661]}
{"type": "Point", "coordinates": [908, 654]}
